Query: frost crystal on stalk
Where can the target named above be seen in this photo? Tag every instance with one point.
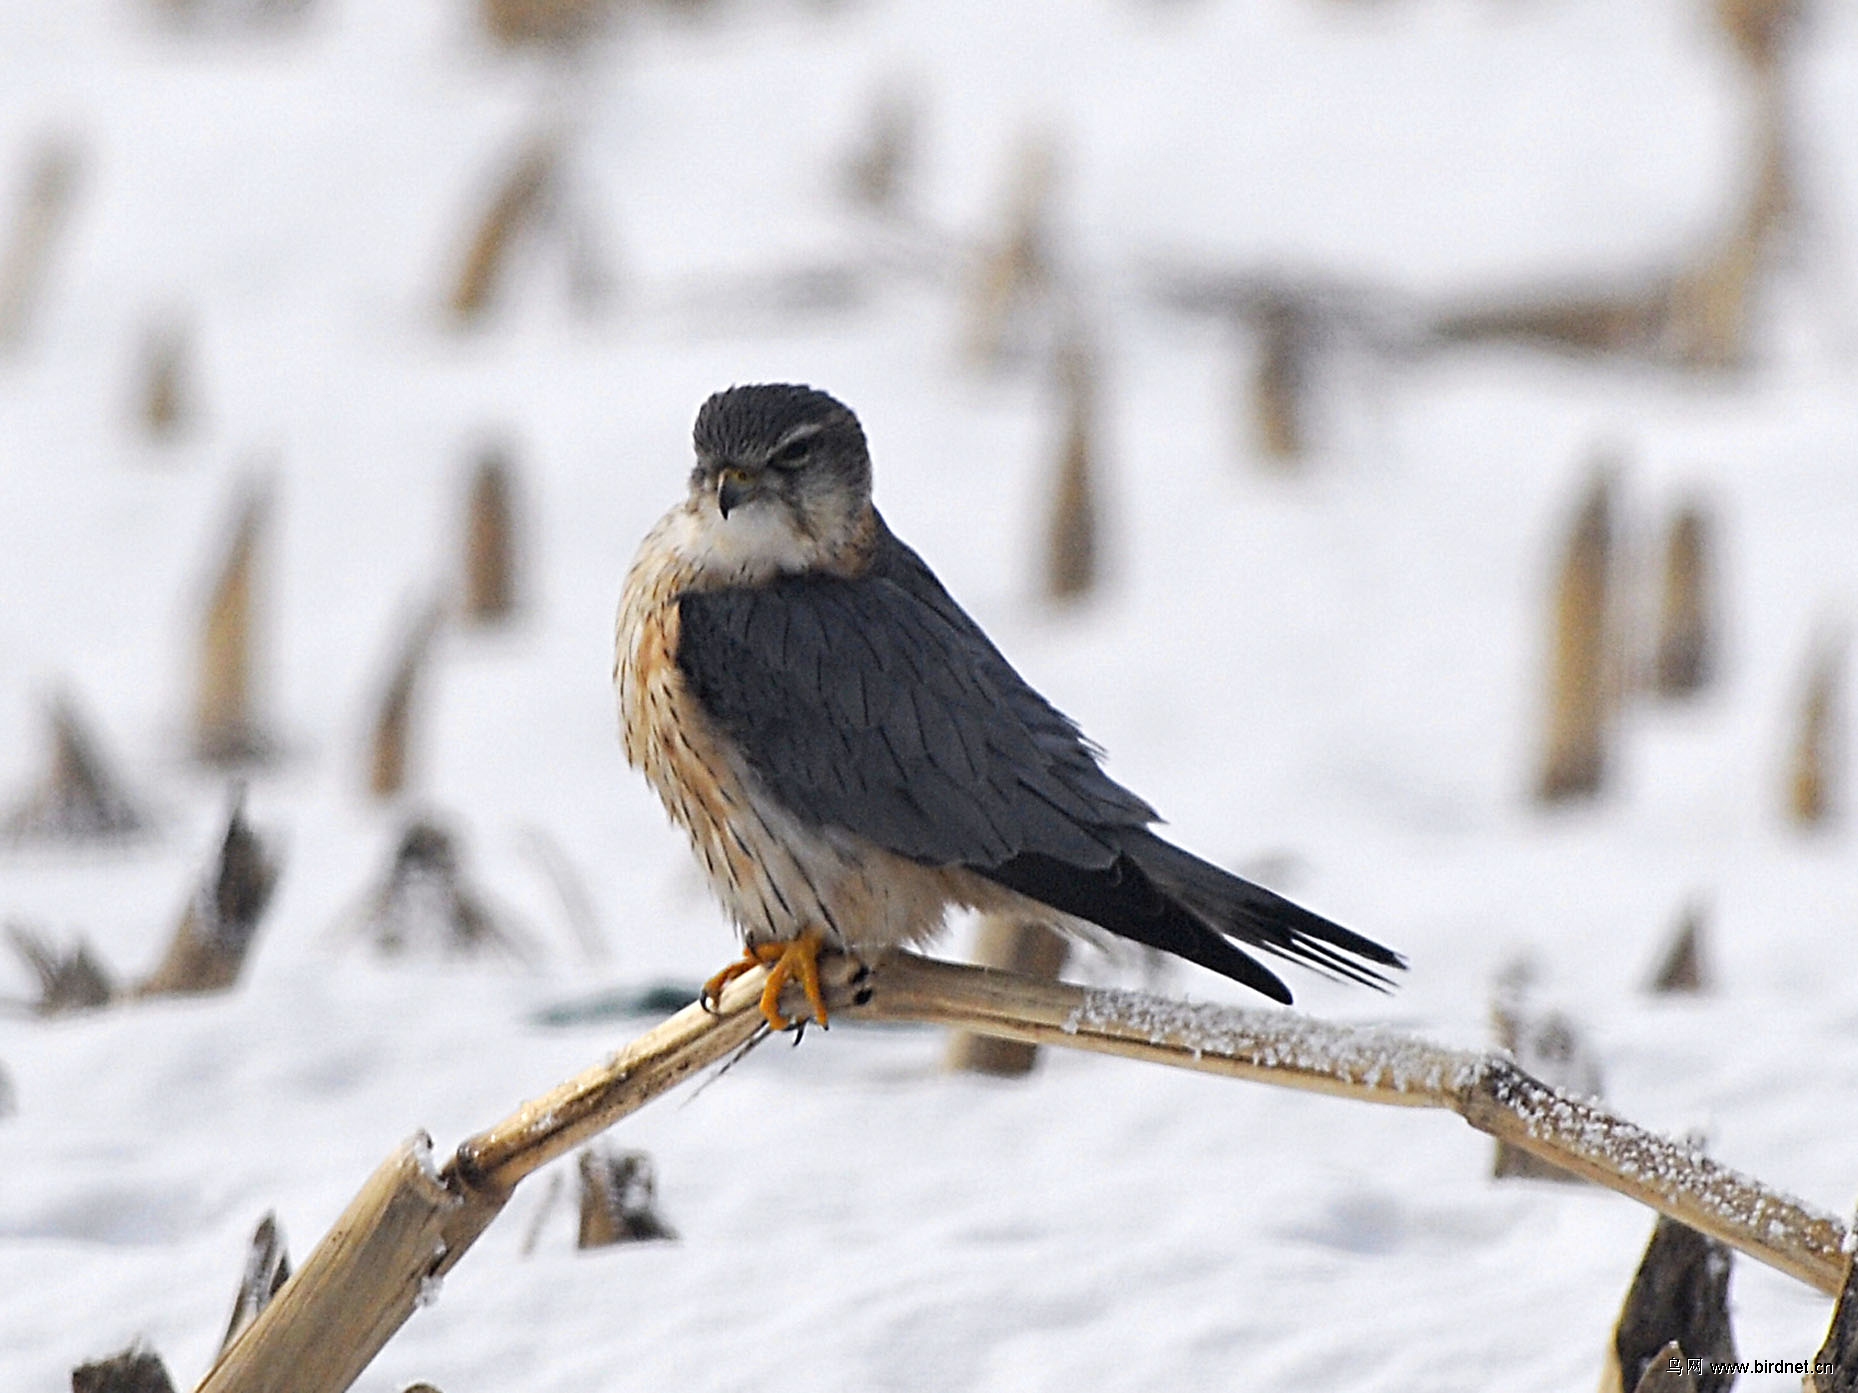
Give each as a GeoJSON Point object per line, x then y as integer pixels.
{"type": "Point", "coordinates": [1277, 1040]}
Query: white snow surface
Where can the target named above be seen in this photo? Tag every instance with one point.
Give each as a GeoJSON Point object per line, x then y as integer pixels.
{"type": "Point", "coordinates": [1335, 675]}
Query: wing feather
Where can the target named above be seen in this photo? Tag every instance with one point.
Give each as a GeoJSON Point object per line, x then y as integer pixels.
{"type": "Point", "coordinates": [875, 705]}
{"type": "Point", "coordinates": [861, 706]}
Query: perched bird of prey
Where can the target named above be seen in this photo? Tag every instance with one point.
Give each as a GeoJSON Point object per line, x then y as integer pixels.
{"type": "Point", "coordinates": [852, 756]}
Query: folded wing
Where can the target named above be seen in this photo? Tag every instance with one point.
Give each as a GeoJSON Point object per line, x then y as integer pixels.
{"type": "Point", "coordinates": [876, 705]}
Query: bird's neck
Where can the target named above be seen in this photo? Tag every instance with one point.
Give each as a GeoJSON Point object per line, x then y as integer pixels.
{"type": "Point", "coordinates": [694, 547]}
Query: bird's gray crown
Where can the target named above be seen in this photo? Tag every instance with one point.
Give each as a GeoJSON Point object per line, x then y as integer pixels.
{"type": "Point", "coordinates": [746, 424]}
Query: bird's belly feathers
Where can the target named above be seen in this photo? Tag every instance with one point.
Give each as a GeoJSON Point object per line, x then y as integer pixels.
{"type": "Point", "coordinates": [777, 874]}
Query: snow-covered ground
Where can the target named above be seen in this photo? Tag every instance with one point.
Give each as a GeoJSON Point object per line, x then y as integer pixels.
{"type": "Point", "coordinates": [1336, 674]}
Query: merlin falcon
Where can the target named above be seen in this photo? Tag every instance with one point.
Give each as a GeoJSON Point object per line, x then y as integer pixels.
{"type": "Point", "coordinates": [852, 757]}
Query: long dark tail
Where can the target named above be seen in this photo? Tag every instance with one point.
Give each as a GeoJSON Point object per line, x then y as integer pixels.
{"type": "Point", "coordinates": [1159, 895]}
{"type": "Point", "coordinates": [1255, 915]}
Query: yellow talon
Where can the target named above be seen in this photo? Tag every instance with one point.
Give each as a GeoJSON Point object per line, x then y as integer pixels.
{"type": "Point", "coordinates": [788, 960]}
{"type": "Point", "coordinates": [712, 992]}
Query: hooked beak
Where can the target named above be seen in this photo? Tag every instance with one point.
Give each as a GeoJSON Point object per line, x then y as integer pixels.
{"type": "Point", "coordinates": [731, 489]}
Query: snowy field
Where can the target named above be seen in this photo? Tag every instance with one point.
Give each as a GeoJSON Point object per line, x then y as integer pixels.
{"type": "Point", "coordinates": [1334, 674]}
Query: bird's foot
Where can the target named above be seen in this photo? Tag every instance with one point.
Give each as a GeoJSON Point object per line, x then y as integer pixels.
{"type": "Point", "coordinates": [790, 960]}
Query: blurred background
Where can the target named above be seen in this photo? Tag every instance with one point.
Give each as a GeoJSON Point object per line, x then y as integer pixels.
{"type": "Point", "coordinates": [1415, 438]}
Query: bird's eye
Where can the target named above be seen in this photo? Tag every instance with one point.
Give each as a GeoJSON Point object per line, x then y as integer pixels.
{"type": "Point", "coordinates": [792, 454]}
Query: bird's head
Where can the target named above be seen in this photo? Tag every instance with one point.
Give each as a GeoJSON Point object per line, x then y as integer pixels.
{"type": "Point", "coordinates": [782, 470]}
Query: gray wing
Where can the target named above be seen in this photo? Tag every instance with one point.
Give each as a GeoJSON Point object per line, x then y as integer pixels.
{"type": "Point", "coordinates": [876, 705]}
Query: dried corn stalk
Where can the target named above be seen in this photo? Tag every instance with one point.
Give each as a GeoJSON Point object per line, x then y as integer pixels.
{"type": "Point", "coordinates": [1684, 659]}
{"type": "Point", "coordinates": [877, 170]}
{"type": "Point", "coordinates": [1680, 1295]}
{"type": "Point", "coordinates": [69, 979]}
{"type": "Point", "coordinates": [163, 404]}
{"type": "Point", "coordinates": [1015, 272]}
{"type": "Point", "coordinates": [557, 24]}
{"type": "Point", "coordinates": [519, 202]}
{"type": "Point", "coordinates": [392, 736]}
{"type": "Point", "coordinates": [1835, 1367]}
{"type": "Point", "coordinates": [413, 1222]}
{"type": "Point", "coordinates": [490, 544]}
{"type": "Point", "coordinates": [1582, 654]}
{"type": "Point", "coordinates": [25, 259]}
{"type": "Point", "coordinates": [1010, 945]}
{"type": "Point", "coordinates": [1550, 1048]}
{"type": "Point", "coordinates": [1071, 546]}
{"type": "Point", "coordinates": [215, 934]}
{"type": "Point", "coordinates": [426, 904]}
{"type": "Point", "coordinates": [1814, 770]}
{"type": "Point", "coordinates": [619, 1199]}
{"type": "Point", "coordinates": [132, 1371]}
{"type": "Point", "coordinates": [1681, 968]}
{"type": "Point", "coordinates": [80, 798]}
{"type": "Point", "coordinates": [267, 1267]}
{"type": "Point", "coordinates": [227, 729]}
{"type": "Point", "coordinates": [1280, 381]}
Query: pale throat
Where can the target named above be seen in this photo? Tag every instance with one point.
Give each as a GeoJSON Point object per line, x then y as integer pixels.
{"type": "Point", "coordinates": [757, 542]}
